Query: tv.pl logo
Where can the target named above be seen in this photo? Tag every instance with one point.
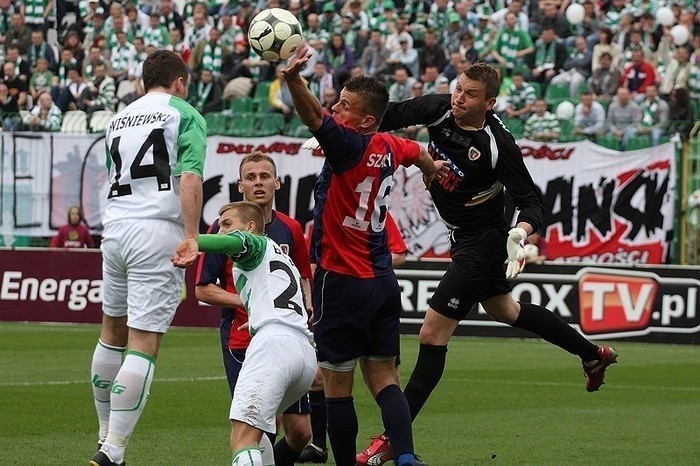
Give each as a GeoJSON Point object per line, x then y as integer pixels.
{"type": "Point", "coordinates": [615, 302]}
{"type": "Point", "coordinates": [628, 301]}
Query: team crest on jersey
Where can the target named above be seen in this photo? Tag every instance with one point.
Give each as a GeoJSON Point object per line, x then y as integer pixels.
{"type": "Point", "coordinates": [473, 154]}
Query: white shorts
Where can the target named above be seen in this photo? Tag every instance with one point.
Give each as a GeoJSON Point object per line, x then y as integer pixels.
{"type": "Point", "coordinates": [139, 280]}
{"type": "Point", "coordinates": [279, 366]}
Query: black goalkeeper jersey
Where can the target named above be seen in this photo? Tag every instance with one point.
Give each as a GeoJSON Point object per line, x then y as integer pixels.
{"type": "Point", "coordinates": [482, 164]}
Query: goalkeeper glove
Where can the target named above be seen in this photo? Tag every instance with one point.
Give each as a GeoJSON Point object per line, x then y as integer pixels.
{"type": "Point", "coordinates": [516, 253]}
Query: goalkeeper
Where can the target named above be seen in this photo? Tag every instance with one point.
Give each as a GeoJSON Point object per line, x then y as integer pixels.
{"type": "Point", "coordinates": [484, 160]}
{"type": "Point", "coordinates": [280, 362]}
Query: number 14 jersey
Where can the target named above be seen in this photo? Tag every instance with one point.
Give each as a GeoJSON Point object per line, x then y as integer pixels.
{"type": "Point", "coordinates": [149, 145]}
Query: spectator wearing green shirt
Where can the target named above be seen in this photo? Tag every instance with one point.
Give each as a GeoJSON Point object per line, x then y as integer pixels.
{"type": "Point", "coordinates": [41, 79]}
{"type": "Point", "coordinates": [521, 97]}
{"type": "Point", "coordinates": [512, 45]}
{"type": "Point", "coordinates": [542, 125]}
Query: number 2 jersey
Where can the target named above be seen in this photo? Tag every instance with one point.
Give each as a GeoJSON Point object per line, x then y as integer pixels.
{"type": "Point", "coordinates": [266, 279]}
{"type": "Point", "coordinates": [482, 162]}
{"type": "Point", "coordinates": [149, 145]}
{"type": "Point", "coordinates": [352, 195]}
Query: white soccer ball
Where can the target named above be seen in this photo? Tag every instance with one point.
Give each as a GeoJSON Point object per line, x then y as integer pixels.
{"type": "Point", "coordinates": [565, 110]}
{"type": "Point", "coordinates": [275, 34]}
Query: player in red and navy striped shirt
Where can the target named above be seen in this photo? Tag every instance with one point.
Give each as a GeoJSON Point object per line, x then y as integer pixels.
{"type": "Point", "coordinates": [258, 183]}
{"type": "Point", "coordinates": [356, 297]}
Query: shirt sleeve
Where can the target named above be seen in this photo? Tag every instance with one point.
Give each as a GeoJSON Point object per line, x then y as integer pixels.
{"type": "Point", "coordinates": [342, 146]}
{"type": "Point", "coordinates": [396, 243]}
{"type": "Point", "coordinates": [300, 253]}
{"type": "Point", "coordinates": [422, 110]}
{"type": "Point", "coordinates": [192, 139]}
{"type": "Point", "coordinates": [405, 151]}
{"type": "Point", "coordinates": [247, 250]}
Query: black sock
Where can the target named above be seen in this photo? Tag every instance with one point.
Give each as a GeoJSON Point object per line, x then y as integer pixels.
{"type": "Point", "coordinates": [425, 376]}
{"type": "Point", "coordinates": [284, 454]}
{"type": "Point", "coordinates": [342, 429]}
{"type": "Point", "coordinates": [397, 419]}
{"type": "Point", "coordinates": [318, 418]}
{"type": "Point", "coordinates": [552, 328]}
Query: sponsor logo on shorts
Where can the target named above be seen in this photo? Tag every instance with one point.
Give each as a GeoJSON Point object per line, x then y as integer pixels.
{"type": "Point", "coordinates": [454, 303]}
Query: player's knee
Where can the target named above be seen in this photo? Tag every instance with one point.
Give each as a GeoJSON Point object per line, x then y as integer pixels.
{"type": "Point", "coordinates": [298, 432]}
{"type": "Point", "coordinates": [433, 335]}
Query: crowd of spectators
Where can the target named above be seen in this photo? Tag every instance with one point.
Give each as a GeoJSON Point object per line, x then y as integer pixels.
{"type": "Point", "coordinates": [624, 72]}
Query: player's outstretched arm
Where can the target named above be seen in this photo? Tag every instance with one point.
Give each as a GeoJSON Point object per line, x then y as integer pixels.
{"type": "Point", "coordinates": [306, 104]}
{"type": "Point", "coordinates": [432, 169]}
{"type": "Point", "coordinates": [221, 244]}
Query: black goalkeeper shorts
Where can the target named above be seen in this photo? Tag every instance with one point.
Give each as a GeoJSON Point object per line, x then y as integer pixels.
{"type": "Point", "coordinates": [475, 274]}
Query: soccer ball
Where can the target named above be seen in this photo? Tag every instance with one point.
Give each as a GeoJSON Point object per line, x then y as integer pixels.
{"type": "Point", "coordinates": [275, 34]}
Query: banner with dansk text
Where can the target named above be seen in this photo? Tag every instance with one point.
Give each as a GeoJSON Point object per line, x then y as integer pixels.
{"type": "Point", "coordinates": [601, 206]}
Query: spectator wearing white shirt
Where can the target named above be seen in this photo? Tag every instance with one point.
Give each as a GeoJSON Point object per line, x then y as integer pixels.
{"type": "Point", "coordinates": [406, 56]}
{"type": "Point", "coordinates": [393, 40]}
{"type": "Point", "coordinates": [515, 7]}
{"type": "Point", "coordinates": [123, 58]}
{"type": "Point", "coordinates": [589, 117]}
{"type": "Point", "coordinates": [45, 116]}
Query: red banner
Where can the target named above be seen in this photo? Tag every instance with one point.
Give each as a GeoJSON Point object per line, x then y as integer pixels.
{"type": "Point", "coordinates": [55, 285]}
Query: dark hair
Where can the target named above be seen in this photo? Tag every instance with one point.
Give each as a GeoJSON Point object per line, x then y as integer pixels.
{"type": "Point", "coordinates": [162, 69]}
{"type": "Point", "coordinates": [606, 54]}
{"type": "Point", "coordinates": [247, 211]}
{"type": "Point", "coordinates": [682, 97]}
{"type": "Point", "coordinates": [486, 75]}
{"type": "Point", "coordinates": [608, 33]}
{"type": "Point", "coordinates": [374, 97]}
{"type": "Point", "coordinates": [257, 156]}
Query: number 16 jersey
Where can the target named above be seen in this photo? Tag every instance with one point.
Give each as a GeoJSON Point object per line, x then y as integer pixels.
{"type": "Point", "coordinates": [352, 196]}
{"type": "Point", "coordinates": [149, 145]}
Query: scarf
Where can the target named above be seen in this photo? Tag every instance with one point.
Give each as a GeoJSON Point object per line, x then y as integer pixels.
{"type": "Point", "coordinates": [34, 55]}
{"type": "Point", "coordinates": [63, 71]}
{"type": "Point", "coordinates": [545, 54]}
{"type": "Point", "coordinates": [650, 112]}
{"type": "Point", "coordinates": [203, 94]}
{"type": "Point", "coordinates": [694, 82]}
{"type": "Point", "coordinates": [212, 58]}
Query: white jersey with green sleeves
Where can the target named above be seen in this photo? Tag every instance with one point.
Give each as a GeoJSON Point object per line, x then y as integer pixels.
{"type": "Point", "coordinates": [266, 279]}
{"type": "Point", "coordinates": [149, 145]}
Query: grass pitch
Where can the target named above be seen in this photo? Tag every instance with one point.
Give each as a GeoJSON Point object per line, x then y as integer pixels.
{"type": "Point", "coordinates": [501, 401]}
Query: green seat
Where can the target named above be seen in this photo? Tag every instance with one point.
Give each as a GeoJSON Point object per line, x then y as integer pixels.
{"type": "Point", "coordinates": [297, 129]}
{"type": "Point", "coordinates": [515, 126]}
{"type": "Point", "coordinates": [556, 94]}
{"type": "Point", "coordinates": [638, 142]}
{"type": "Point", "coordinates": [538, 88]}
{"type": "Point", "coordinates": [583, 87]}
{"type": "Point", "coordinates": [216, 123]}
{"type": "Point", "coordinates": [262, 89]}
{"type": "Point", "coordinates": [241, 105]}
{"type": "Point", "coordinates": [609, 141]}
{"type": "Point", "coordinates": [566, 132]}
{"type": "Point", "coordinates": [269, 124]}
{"type": "Point", "coordinates": [242, 125]}
{"type": "Point", "coordinates": [261, 104]}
